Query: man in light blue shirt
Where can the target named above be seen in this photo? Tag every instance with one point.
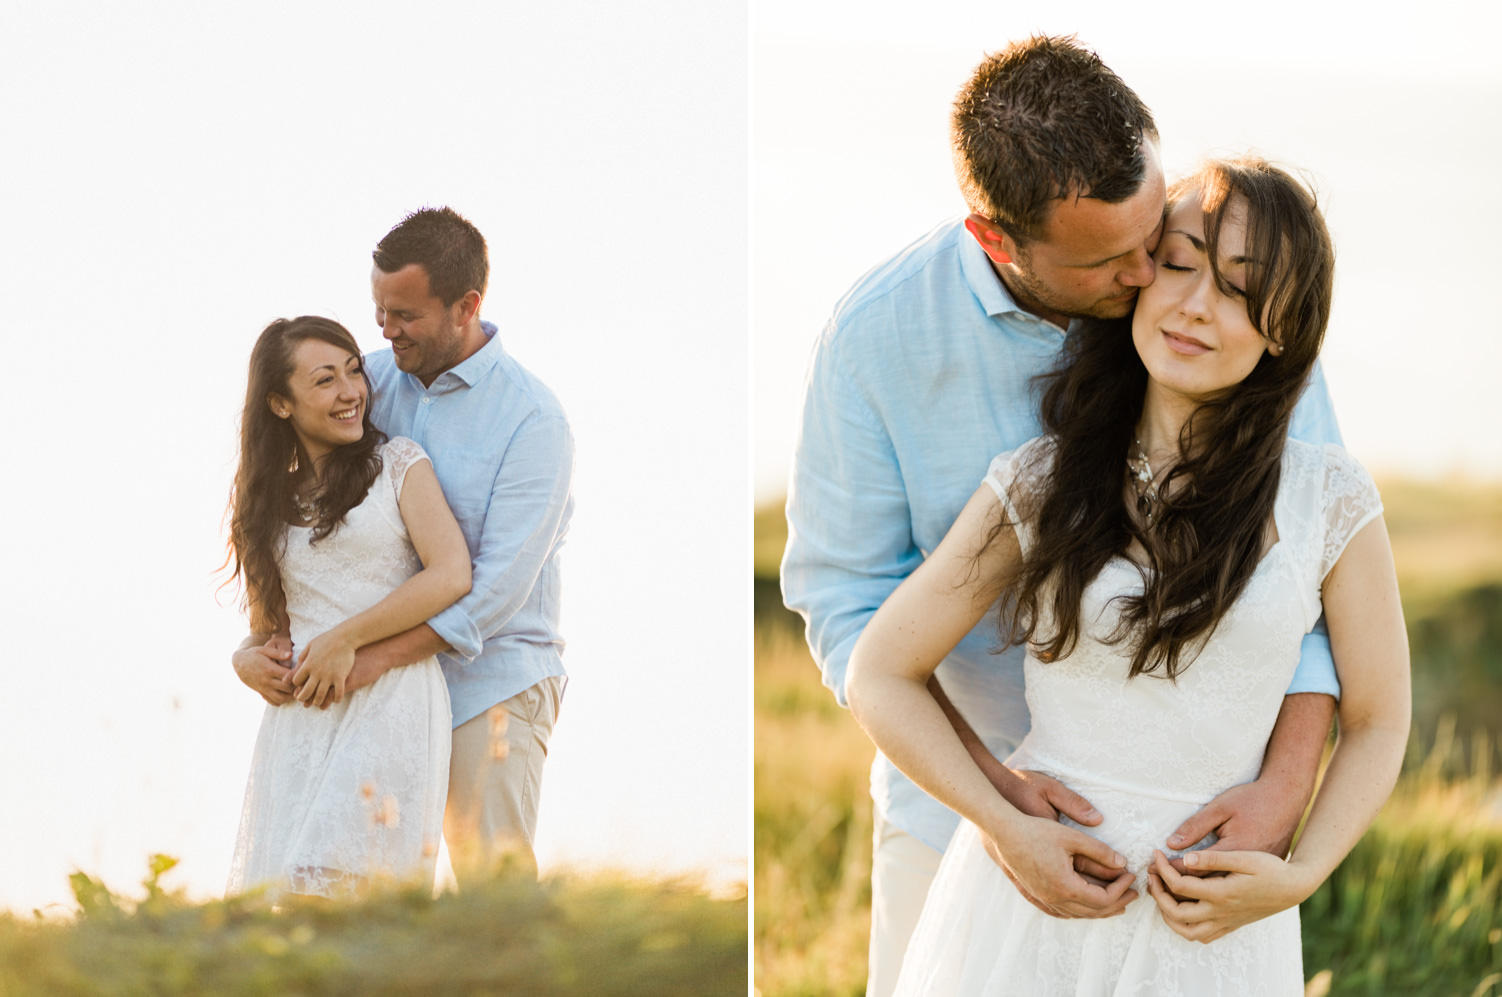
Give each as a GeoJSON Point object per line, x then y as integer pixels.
{"type": "Point", "coordinates": [502, 450]}
{"type": "Point", "coordinates": [924, 374]}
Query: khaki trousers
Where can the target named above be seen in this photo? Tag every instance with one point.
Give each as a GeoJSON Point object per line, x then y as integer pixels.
{"type": "Point", "coordinates": [495, 782]}
{"type": "Point", "coordinates": [902, 870]}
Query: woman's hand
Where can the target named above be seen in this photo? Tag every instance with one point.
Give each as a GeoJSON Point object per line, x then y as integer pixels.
{"type": "Point", "coordinates": [322, 668]}
{"type": "Point", "coordinates": [1227, 890]}
{"type": "Point", "coordinates": [1043, 861]}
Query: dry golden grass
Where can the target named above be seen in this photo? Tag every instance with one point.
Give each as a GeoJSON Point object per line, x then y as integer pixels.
{"type": "Point", "coordinates": [1415, 909]}
{"type": "Point", "coordinates": [1446, 537]}
{"type": "Point", "coordinates": [813, 829]}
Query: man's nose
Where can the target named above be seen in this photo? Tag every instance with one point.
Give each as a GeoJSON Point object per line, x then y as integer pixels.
{"type": "Point", "coordinates": [1139, 269]}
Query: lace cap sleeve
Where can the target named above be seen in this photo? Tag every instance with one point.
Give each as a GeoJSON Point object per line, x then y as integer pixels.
{"type": "Point", "coordinates": [1017, 477]}
{"type": "Point", "coordinates": [398, 456]}
{"type": "Point", "coordinates": [1350, 502]}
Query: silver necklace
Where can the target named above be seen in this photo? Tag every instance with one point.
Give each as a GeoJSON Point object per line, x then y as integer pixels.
{"type": "Point", "coordinates": [307, 509]}
{"type": "Point", "coordinates": [1140, 471]}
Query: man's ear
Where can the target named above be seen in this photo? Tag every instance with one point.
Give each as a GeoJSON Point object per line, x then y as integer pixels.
{"type": "Point", "coordinates": [467, 308]}
{"type": "Point", "coordinates": [996, 243]}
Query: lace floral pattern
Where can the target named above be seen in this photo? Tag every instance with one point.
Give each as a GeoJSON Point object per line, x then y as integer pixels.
{"type": "Point", "coordinates": [1148, 753]}
{"type": "Point", "coordinates": [338, 797]}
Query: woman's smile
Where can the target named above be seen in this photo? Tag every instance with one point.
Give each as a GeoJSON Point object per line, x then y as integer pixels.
{"type": "Point", "coordinates": [1185, 345]}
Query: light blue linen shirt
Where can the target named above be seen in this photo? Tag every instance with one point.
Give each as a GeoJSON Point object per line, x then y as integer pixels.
{"type": "Point", "coordinates": [923, 375]}
{"type": "Point", "coordinates": [502, 451]}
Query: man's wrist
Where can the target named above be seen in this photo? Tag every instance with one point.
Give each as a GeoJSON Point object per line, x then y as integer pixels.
{"type": "Point", "coordinates": [375, 658]}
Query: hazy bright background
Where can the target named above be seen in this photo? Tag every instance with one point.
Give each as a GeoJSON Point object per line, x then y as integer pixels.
{"type": "Point", "coordinates": [175, 176]}
{"type": "Point", "coordinates": [1391, 115]}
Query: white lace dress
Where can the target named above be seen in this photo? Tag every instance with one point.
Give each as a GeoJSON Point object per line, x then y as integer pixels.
{"type": "Point", "coordinates": [339, 796]}
{"type": "Point", "coordinates": [1147, 753]}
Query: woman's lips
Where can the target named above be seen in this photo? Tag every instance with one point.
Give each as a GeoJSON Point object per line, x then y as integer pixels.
{"type": "Point", "coordinates": [1186, 345]}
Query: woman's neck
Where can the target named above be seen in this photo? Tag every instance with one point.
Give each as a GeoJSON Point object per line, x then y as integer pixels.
{"type": "Point", "coordinates": [1161, 426]}
{"type": "Point", "coordinates": [311, 476]}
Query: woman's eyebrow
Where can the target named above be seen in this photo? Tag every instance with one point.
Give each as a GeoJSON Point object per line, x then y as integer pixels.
{"type": "Point", "coordinates": [1200, 245]}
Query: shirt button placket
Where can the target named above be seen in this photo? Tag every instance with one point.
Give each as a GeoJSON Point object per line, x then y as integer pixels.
{"type": "Point", "coordinates": [420, 421]}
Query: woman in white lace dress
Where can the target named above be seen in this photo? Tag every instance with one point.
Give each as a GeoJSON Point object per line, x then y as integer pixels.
{"type": "Point", "coordinates": [340, 539]}
{"type": "Point", "coordinates": [1161, 552]}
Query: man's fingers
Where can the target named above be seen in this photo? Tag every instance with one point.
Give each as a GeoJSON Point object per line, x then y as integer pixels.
{"type": "Point", "coordinates": [1094, 871]}
{"type": "Point", "coordinates": [1071, 804]}
{"type": "Point", "coordinates": [1199, 824]}
{"type": "Point", "coordinates": [1082, 846]}
{"type": "Point", "coordinates": [1086, 899]}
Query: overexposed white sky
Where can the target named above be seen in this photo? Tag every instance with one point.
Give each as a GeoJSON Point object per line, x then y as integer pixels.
{"type": "Point", "coordinates": [176, 175]}
{"type": "Point", "coordinates": [1388, 116]}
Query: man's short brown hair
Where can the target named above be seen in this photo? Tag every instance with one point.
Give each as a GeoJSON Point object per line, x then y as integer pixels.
{"type": "Point", "coordinates": [1042, 119]}
{"type": "Point", "coordinates": [445, 244]}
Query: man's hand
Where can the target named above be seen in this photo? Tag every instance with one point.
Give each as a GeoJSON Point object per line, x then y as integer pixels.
{"type": "Point", "coordinates": [1032, 793]}
{"type": "Point", "coordinates": [1038, 794]}
{"type": "Point", "coordinates": [1257, 816]}
{"type": "Point", "coordinates": [1043, 863]}
{"type": "Point", "coordinates": [1238, 888]}
{"type": "Point", "coordinates": [1263, 816]}
{"type": "Point", "coordinates": [366, 670]}
{"type": "Point", "coordinates": [267, 668]}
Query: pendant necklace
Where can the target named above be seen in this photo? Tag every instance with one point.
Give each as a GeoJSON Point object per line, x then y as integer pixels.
{"type": "Point", "coordinates": [1140, 472]}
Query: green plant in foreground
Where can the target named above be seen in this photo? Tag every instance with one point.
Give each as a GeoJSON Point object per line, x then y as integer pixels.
{"type": "Point", "coordinates": [1416, 908]}
{"type": "Point", "coordinates": [605, 935]}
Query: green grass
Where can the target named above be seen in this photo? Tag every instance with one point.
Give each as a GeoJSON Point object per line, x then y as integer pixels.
{"type": "Point", "coordinates": [812, 847]}
{"type": "Point", "coordinates": [1415, 909]}
{"type": "Point", "coordinates": [600, 935]}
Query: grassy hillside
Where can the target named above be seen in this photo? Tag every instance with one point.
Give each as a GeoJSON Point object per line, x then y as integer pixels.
{"type": "Point", "coordinates": [596, 936]}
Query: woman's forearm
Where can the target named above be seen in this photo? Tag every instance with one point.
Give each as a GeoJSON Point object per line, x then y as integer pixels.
{"type": "Point", "coordinates": [1361, 775]}
{"type": "Point", "coordinates": [415, 601]}
{"type": "Point", "coordinates": [906, 723]}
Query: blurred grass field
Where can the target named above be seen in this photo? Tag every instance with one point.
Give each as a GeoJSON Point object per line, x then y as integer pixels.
{"type": "Point", "coordinates": [594, 935]}
{"type": "Point", "coordinates": [1415, 909]}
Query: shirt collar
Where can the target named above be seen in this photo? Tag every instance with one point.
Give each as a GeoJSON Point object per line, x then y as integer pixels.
{"type": "Point", "coordinates": [470, 371]}
{"type": "Point", "coordinates": [988, 288]}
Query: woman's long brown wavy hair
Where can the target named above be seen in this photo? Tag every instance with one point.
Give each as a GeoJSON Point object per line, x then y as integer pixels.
{"type": "Point", "coordinates": [274, 468]}
{"type": "Point", "coordinates": [1211, 525]}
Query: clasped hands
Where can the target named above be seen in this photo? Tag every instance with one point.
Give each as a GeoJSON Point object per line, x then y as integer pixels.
{"type": "Point", "coordinates": [1202, 896]}
{"type": "Point", "coordinates": [318, 677]}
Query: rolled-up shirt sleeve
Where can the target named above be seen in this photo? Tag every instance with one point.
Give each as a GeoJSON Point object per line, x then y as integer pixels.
{"type": "Point", "coordinates": [524, 522]}
{"type": "Point", "coordinates": [849, 539]}
{"type": "Point", "coordinates": [1314, 422]}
